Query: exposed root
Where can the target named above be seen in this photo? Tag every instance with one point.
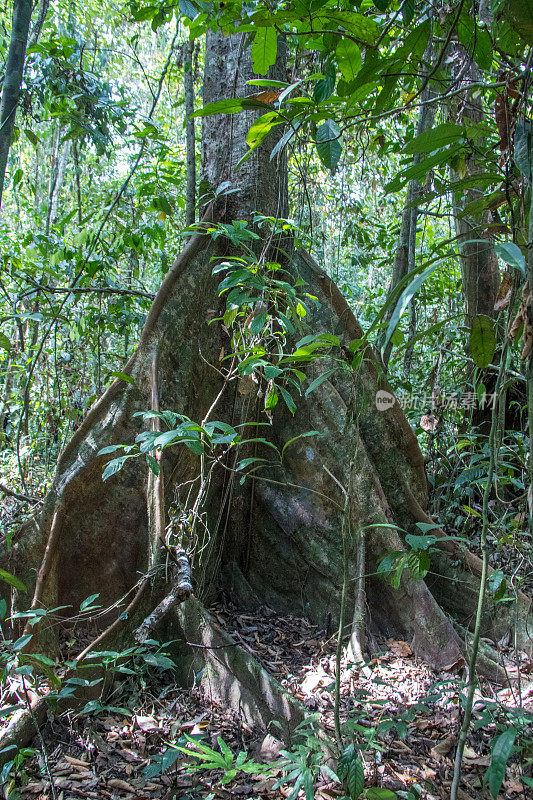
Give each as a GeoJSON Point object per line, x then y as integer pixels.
{"type": "Point", "coordinates": [233, 678]}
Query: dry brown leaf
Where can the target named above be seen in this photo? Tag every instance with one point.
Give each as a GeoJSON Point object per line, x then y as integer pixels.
{"type": "Point", "coordinates": [116, 783]}
{"type": "Point", "coordinates": [146, 723]}
{"type": "Point", "coordinates": [444, 746]}
{"type": "Point", "coordinates": [399, 648]}
{"type": "Point", "coordinates": [504, 292]}
{"type": "Point", "coordinates": [77, 762]}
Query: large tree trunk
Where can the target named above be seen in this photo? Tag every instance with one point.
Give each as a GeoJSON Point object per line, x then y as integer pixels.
{"type": "Point", "coordinates": [274, 539]}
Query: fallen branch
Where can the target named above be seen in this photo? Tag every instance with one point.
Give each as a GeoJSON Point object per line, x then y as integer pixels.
{"type": "Point", "coordinates": [23, 498]}
{"type": "Point", "coordinates": [180, 591]}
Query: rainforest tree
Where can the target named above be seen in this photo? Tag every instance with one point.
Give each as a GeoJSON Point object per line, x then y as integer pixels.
{"type": "Point", "coordinates": [251, 437]}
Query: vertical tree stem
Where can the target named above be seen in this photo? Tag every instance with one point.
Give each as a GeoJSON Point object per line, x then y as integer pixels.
{"type": "Point", "coordinates": [188, 85]}
{"type": "Point", "coordinates": [472, 680]}
{"type": "Point", "coordinates": [13, 80]}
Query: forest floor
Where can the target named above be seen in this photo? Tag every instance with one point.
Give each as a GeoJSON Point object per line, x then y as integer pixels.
{"type": "Point", "coordinates": [403, 714]}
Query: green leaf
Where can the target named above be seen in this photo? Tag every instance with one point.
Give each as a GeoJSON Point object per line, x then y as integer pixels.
{"type": "Point", "coordinates": [501, 750]}
{"type": "Point", "coordinates": [408, 11]}
{"type": "Point", "coordinates": [523, 147]}
{"type": "Point", "coordinates": [363, 28]}
{"type": "Point", "coordinates": [420, 542]}
{"type": "Point", "coordinates": [325, 86]}
{"type": "Point", "coordinates": [377, 793]}
{"type": "Point", "coordinates": [22, 642]}
{"type": "Point", "coordinates": [291, 405]}
{"type": "Point", "coordinates": [309, 786]}
{"type": "Point", "coordinates": [328, 144]}
{"type": "Point", "coordinates": [437, 137]}
{"type": "Point", "coordinates": [355, 778]}
{"type": "Point", "coordinates": [17, 177]}
{"type": "Point", "coordinates": [159, 661]}
{"type": "Point", "coordinates": [317, 381]}
{"type": "Point", "coordinates": [114, 466]}
{"type": "Point", "coordinates": [512, 255]}
{"type": "Point", "coordinates": [5, 344]}
{"type": "Point", "coordinates": [264, 50]}
{"type": "Point", "coordinates": [419, 563]}
{"type": "Point", "coordinates": [272, 398]}
{"type": "Point", "coordinates": [483, 49]}
{"type": "Point", "coordinates": [261, 128]}
{"type": "Point", "coordinates": [349, 59]}
{"type": "Point", "coordinates": [153, 464]}
{"type": "Point", "coordinates": [404, 300]}
{"type": "Point", "coordinates": [84, 605]}
{"type": "Point", "coordinates": [123, 377]}
{"type": "Point", "coordinates": [7, 577]}
{"type": "Point", "coordinates": [34, 139]}
{"type": "Point", "coordinates": [231, 105]}
{"type": "Point", "coordinates": [482, 341]}
{"type": "Point", "coordinates": [295, 439]}
{"type": "Point", "coordinates": [187, 9]}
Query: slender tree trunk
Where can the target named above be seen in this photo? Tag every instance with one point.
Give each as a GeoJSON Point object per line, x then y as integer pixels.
{"type": "Point", "coordinates": [13, 80]}
{"type": "Point", "coordinates": [188, 85]}
{"type": "Point", "coordinates": [479, 263]}
{"type": "Point", "coordinates": [404, 260]}
{"type": "Point", "coordinates": [39, 22]}
{"type": "Point", "coordinates": [58, 182]}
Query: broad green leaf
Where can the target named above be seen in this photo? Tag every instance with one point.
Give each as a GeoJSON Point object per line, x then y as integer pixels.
{"type": "Point", "coordinates": [114, 466]}
{"type": "Point", "coordinates": [34, 139]}
{"type": "Point", "coordinates": [5, 343]}
{"type": "Point", "coordinates": [420, 542]}
{"type": "Point", "coordinates": [355, 778]}
{"type": "Point", "coordinates": [519, 14]}
{"type": "Point", "coordinates": [84, 605]}
{"type": "Point", "coordinates": [408, 11]}
{"type": "Point", "coordinates": [261, 128]}
{"type": "Point", "coordinates": [264, 50]}
{"type": "Point", "coordinates": [291, 405]}
{"type": "Point", "coordinates": [22, 642]}
{"type": "Point", "coordinates": [439, 136]}
{"type": "Point", "coordinates": [153, 465]}
{"type": "Point", "coordinates": [7, 577]}
{"type": "Point", "coordinates": [325, 86]}
{"type": "Point", "coordinates": [349, 59]}
{"type": "Point", "coordinates": [123, 377]}
{"type": "Point", "coordinates": [482, 340]}
{"type": "Point", "coordinates": [187, 9]}
{"type": "Point", "coordinates": [363, 28]}
{"type": "Point", "coordinates": [376, 792]}
{"type": "Point", "coordinates": [231, 105]}
{"type": "Point", "coordinates": [501, 750]}
{"type": "Point", "coordinates": [404, 300]}
{"type": "Point", "coordinates": [328, 143]}
{"type": "Point", "coordinates": [512, 255]}
{"type": "Point", "coordinates": [523, 147]}
{"type": "Point", "coordinates": [483, 49]}
{"type": "Point", "coordinates": [419, 563]}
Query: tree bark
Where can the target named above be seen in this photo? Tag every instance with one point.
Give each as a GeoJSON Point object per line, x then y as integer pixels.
{"type": "Point", "coordinates": [479, 263]}
{"type": "Point", "coordinates": [12, 82]}
{"type": "Point", "coordinates": [188, 86]}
